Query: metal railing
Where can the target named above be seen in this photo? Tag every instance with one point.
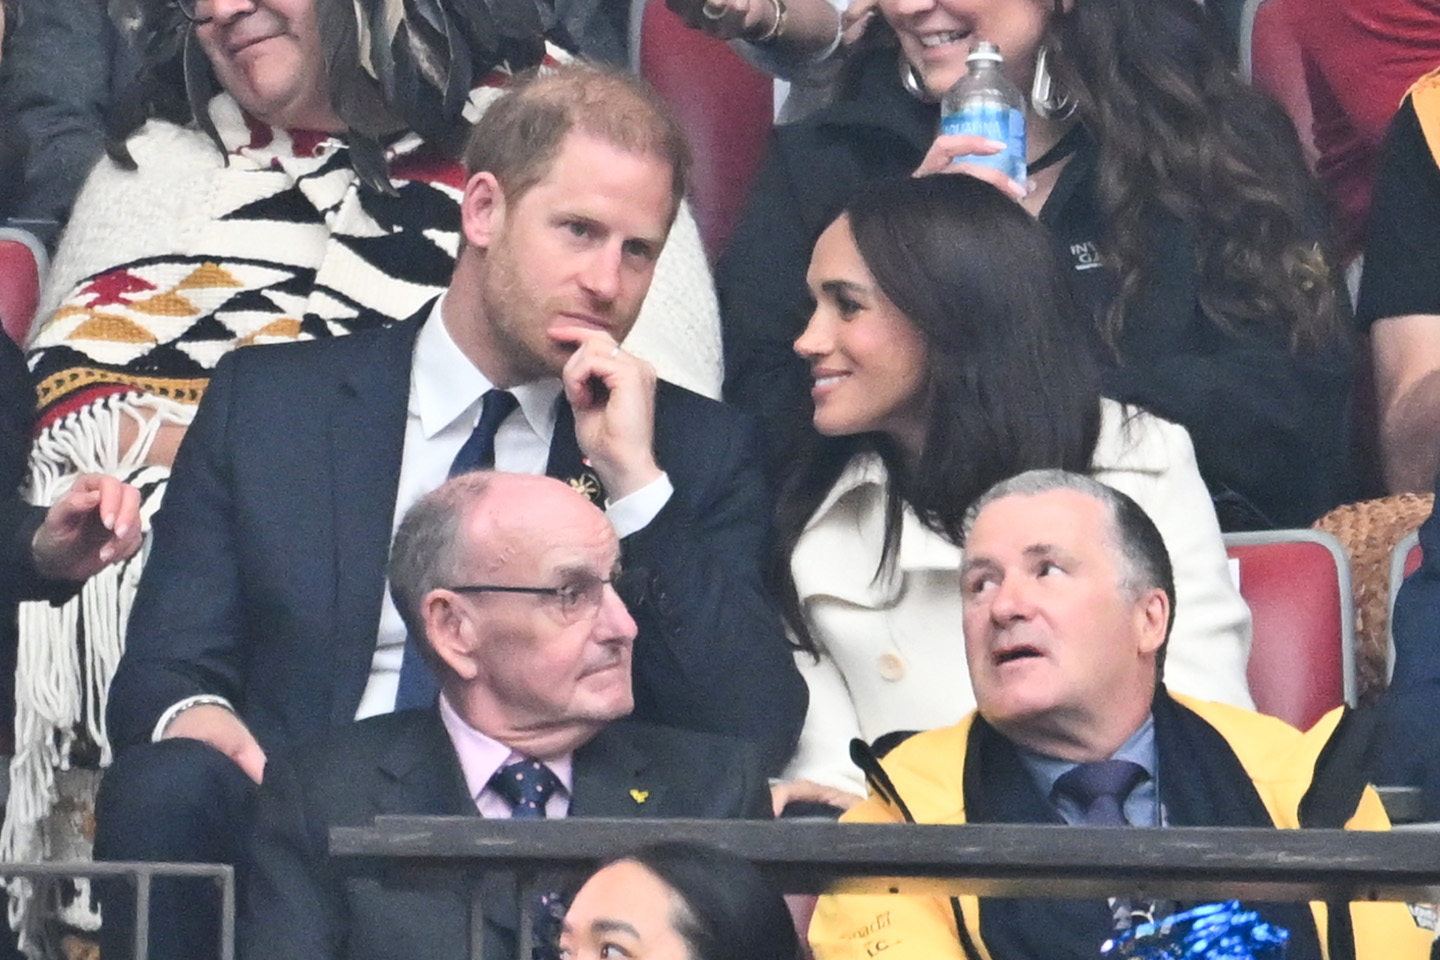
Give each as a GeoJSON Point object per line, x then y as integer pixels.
{"type": "Point", "coordinates": [1183, 863]}
{"type": "Point", "coordinates": [141, 875]}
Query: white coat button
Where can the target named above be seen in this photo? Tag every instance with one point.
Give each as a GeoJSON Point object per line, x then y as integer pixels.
{"type": "Point", "coordinates": [891, 666]}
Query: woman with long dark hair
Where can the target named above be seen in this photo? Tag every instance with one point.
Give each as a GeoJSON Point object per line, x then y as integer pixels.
{"type": "Point", "coordinates": [946, 354]}
{"type": "Point", "coordinates": [678, 901]}
{"type": "Point", "coordinates": [1177, 195]}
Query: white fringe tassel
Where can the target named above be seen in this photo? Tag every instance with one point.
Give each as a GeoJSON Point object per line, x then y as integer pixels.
{"type": "Point", "coordinates": [67, 657]}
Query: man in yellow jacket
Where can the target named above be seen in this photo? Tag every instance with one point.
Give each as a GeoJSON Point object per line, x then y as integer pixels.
{"type": "Point", "coordinates": [1068, 600]}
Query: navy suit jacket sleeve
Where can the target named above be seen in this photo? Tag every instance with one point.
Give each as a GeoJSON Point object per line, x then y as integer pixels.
{"type": "Point", "coordinates": [712, 654]}
{"type": "Point", "coordinates": [185, 630]}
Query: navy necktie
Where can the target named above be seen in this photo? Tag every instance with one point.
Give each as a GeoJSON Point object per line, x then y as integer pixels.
{"type": "Point", "coordinates": [418, 688]}
{"type": "Point", "coordinates": [1100, 790]}
{"type": "Point", "coordinates": [478, 453]}
{"type": "Point", "coordinates": [527, 785]}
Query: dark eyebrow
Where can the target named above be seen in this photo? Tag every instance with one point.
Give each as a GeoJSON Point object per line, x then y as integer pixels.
{"type": "Point", "coordinates": [978, 563]}
{"type": "Point", "coordinates": [1047, 550]}
{"type": "Point", "coordinates": [576, 571]}
{"type": "Point", "coordinates": [842, 288]}
{"type": "Point", "coordinates": [614, 926]}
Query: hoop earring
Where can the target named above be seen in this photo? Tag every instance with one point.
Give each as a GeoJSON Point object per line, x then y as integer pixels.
{"type": "Point", "coordinates": [910, 79]}
{"type": "Point", "coordinates": [1044, 99]}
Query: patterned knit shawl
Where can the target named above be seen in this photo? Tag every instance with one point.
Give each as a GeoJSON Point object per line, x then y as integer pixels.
{"type": "Point", "coordinates": [290, 245]}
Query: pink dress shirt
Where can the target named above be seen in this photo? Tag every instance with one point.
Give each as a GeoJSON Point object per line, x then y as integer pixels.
{"type": "Point", "coordinates": [480, 756]}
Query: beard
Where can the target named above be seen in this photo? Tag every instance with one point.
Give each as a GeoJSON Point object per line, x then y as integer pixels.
{"type": "Point", "coordinates": [518, 317]}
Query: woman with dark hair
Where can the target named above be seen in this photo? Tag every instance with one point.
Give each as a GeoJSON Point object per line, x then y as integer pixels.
{"type": "Point", "coordinates": [1176, 194]}
{"type": "Point", "coordinates": [678, 901]}
{"type": "Point", "coordinates": [946, 354]}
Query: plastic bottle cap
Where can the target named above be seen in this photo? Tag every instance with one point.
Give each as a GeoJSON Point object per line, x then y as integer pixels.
{"type": "Point", "coordinates": [984, 50]}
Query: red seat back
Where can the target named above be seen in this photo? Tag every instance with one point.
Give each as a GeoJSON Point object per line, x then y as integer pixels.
{"type": "Point", "coordinates": [21, 263]}
{"type": "Point", "coordinates": [1276, 65]}
{"type": "Point", "coordinates": [724, 105]}
{"type": "Point", "coordinates": [1413, 556]}
{"type": "Point", "coordinates": [1297, 583]}
{"type": "Point", "coordinates": [802, 907]}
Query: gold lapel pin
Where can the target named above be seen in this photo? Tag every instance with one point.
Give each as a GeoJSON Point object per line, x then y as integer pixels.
{"type": "Point", "coordinates": [639, 796]}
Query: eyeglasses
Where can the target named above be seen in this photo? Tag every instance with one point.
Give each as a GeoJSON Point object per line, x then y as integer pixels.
{"type": "Point", "coordinates": [190, 10]}
{"type": "Point", "coordinates": [579, 599]}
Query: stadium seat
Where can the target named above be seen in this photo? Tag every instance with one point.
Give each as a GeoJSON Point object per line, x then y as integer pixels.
{"type": "Point", "coordinates": [22, 268]}
{"type": "Point", "coordinates": [724, 105]}
{"type": "Point", "coordinates": [1302, 655]}
{"type": "Point", "coordinates": [1404, 560]}
{"type": "Point", "coordinates": [1270, 58]}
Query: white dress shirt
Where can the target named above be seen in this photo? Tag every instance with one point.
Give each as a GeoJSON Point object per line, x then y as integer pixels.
{"type": "Point", "coordinates": [445, 396]}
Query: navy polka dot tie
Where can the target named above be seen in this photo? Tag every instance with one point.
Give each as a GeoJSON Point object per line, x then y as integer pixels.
{"type": "Point", "coordinates": [526, 785]}
{"type": "Point", "coordinates": [1100, 790]}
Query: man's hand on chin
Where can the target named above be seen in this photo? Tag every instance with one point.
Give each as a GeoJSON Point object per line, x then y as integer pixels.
{"type": "Point", "coordinates": [612, 394]}
{"type": "Point", "coordinates": [224, 731]}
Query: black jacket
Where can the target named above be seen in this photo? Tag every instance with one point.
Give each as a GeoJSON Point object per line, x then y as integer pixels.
{"type": "Point", "coordinates": [299, 904]}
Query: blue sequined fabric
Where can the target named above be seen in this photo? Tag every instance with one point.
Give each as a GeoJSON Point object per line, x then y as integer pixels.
{"type": "Point", "coordinates": [1215, 931]}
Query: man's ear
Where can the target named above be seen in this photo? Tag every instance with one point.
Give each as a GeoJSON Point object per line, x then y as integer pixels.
{"type": "Point", "coordinates": [451, 634]}
{"type": "Point", "coordinates": [1154, 614]}
{"type": "Point", "coordinates": [482, 210]}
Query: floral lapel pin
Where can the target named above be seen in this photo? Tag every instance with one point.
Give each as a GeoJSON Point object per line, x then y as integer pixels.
{"type": "Point", "coordinates": [588, 485]}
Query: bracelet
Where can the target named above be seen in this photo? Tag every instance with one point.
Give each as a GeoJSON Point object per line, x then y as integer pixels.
{"type": "Point", "coordinates": [179, 707]}
{"type": "Point", "coordinates": [777, 26]}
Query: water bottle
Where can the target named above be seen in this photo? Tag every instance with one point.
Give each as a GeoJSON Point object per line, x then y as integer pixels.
{"type": "Point", "coordinates": [985, 103]}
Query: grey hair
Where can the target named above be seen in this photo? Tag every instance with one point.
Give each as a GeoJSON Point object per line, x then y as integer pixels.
{"type": "Point", "coordinates": [1144, 561]}
{"type": "Point", "coordinates": [427, 550]}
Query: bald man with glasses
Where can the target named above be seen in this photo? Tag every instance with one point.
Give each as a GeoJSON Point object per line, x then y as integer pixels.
{"type": "Point", "coordinates": [512, 584]}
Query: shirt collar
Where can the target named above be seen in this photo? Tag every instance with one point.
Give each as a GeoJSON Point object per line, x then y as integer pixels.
{"type": "Point", "coordinates": [445, 386]}
{"type": "Point", "coordinates": [1139, 748]}
{"type": "Point", "coordinates": [481, 756]}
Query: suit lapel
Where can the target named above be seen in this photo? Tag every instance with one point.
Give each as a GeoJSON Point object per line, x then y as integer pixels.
{"type": "Point", "coordinates": [367, 441]}
{"type": "Point", "coordinates": [567, 462]}
{"type": "Point", "coordinates": [420, 774]}
{"type": "Point", "coordinates": [611, 779]}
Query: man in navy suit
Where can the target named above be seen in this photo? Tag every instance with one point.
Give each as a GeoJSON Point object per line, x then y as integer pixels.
{"type": "Point", "coordinates": [262, 618]}
{"type": "Point", "coordinates": [511, 581]}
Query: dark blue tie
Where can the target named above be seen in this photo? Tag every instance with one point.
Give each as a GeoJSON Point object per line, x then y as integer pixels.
{"type": "Point", "coordinates": [478, 453]}
{"type": "Point", "coordinates": [527, 785]}
{"type": "Point", "coordinates": [1100, 790]}
{"type": "Point", "coordinates": [417, 682]}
